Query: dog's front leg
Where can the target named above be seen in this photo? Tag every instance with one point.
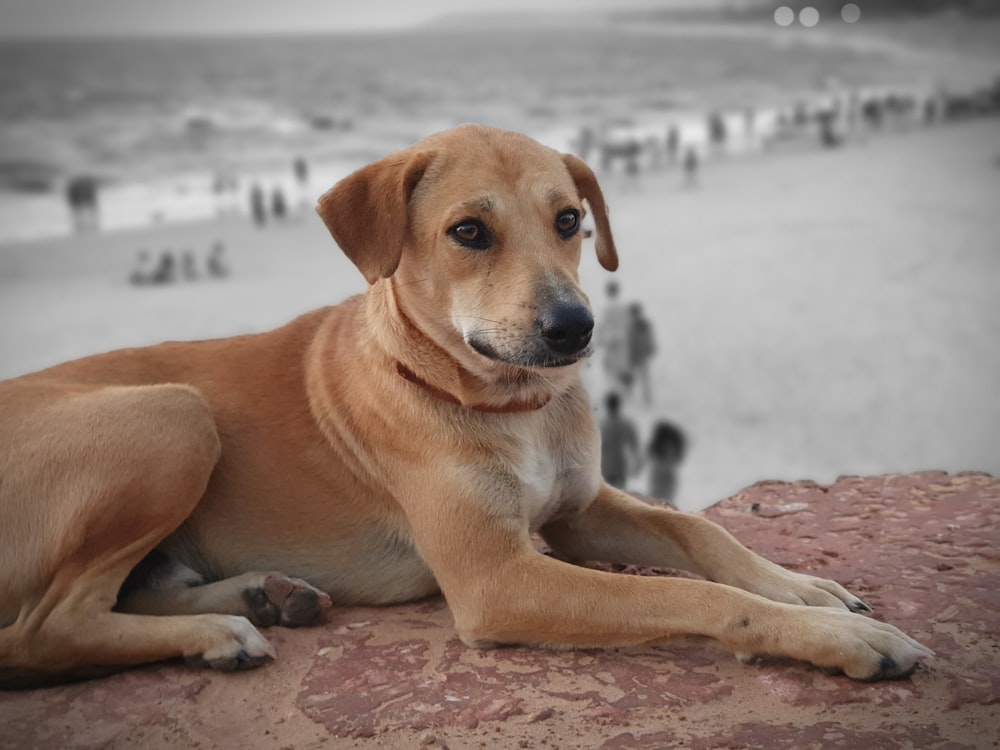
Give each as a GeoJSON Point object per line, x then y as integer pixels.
{"type": "Point", "coordinates": [618, 528]}
{"type": "Point", "coordinates": [501, 590]}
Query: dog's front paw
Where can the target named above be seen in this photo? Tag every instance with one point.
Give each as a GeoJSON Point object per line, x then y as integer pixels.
{"type": "Point", "coordinates": [233, 644]}
{"type": "Point", "coordinates": [860, 647]}
{"type": "Point", "coordinates": [281, 600]}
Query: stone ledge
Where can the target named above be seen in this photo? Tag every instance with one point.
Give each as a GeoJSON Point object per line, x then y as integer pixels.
{"type": "Point", "coordinates": [922, 549]}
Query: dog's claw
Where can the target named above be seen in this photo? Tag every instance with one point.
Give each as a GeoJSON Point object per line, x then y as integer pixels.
{"type": "Point", "coordinates": [245, 661]}
{"type": "Point", "coordinates": [856, 605]}
{"type": "Point", "coordinates": [888, 669]}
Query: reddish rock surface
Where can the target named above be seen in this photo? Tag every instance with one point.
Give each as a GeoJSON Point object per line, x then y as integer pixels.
{"type": "Point", "coordinates": [922, 549]}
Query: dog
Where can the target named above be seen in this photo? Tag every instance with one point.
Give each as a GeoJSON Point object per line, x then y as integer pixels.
{"type": "Point", "coordinates": [405, 442]}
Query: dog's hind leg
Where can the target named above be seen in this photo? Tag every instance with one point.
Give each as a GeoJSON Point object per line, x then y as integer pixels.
{"type": "Point", "coordinates": [92, 480]}
{"type": "Point", "coordinates": [163, 586]}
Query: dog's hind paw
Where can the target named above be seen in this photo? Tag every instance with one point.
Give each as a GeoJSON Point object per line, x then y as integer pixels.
{"type": "Point", "coordinates": [291, 602]}
{"type": "Point", "coordinates": [239, 646]}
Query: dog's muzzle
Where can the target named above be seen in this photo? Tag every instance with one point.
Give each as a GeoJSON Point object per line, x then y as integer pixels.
{"type": "Point", "coordinates": [560, 336]}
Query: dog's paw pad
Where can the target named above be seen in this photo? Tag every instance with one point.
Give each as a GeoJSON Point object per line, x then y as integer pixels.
{"type": "Point", "coordinates": [262, 611]}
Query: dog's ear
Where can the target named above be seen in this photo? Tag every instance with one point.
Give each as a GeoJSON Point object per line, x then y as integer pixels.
{"type": "Point", "coordinates": [367, 211]}
{"type": "Point", "coordinates": [589, 190]}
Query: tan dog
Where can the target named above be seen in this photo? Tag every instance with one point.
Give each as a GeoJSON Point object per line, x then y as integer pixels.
{"type": "Point", "coordinates": [406, 441]}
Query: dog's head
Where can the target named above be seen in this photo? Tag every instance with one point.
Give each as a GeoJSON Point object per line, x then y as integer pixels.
{"type": "Point", "coordinates": [480, 232]}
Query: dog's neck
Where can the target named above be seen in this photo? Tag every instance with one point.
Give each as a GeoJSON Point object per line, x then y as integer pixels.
{"type": "Point", "coordinates": [425, 364]}
{"type": "Point", "coordinates": [509, 407]}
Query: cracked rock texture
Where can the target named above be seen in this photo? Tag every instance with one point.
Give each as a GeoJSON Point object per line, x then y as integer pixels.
{"type": "Point", "coordinates": [922, 549]}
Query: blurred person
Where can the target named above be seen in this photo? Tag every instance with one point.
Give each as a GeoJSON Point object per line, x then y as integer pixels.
{"type": "Point", "coordinates": [673, 143]}
{"type": "Point", "coordinates": [641, 348]}
{"type": "Point", "coordinates": [612, 338]}
{"type": "Point", "coordinates": [142, 271]}
{"type": "Point", "coordinates": [664, 455]}
{"type": "Point", "coordinates": [691, 164]}
{"type": "Point", "coordinates": [830, 120]}
{"type": "Point", "coordinates": [718, 132]}
{"type": "Point", "coordinates": [146, 273]}
{"type": "Point", "coordinates": [279, 206]}
{"type": "Point", "coordinates": [216, 264]}
{"type": "Point", "coordinates": [300, 168]}
{"type": "Point", "coordinates": [632, 168]}
{"type": "Point", "coordinates": [82, 199]}
{"type": "Point", "coordinates": [166, 271]}
{"type": "Point", "coordinates": [258, 209]}
{"type": "Point", "coordinates": [619, 443]}
{"type": "Point", "coordinates": [225, 188]}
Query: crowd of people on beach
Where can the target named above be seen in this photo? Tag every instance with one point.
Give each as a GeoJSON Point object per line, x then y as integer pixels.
{"type": "Point", "coordinates": [266, 204]}
{"type": "Point", "coordinates": [830, 116]}
{"type": "Point", "coordinates": [170, 267]}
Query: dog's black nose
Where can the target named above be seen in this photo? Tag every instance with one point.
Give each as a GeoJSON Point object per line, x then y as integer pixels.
{"type": "Point", "coordinates": [566, 328]}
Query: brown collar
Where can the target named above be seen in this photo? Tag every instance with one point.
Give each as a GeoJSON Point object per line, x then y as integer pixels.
{"type": "Point", "coordinates": [510, 407]}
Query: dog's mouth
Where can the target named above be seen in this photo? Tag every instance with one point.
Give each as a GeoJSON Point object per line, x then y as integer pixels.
{"type": "Point", "coordinates": [559, 335]}
{"type": "Point", "coordinates": [526, 355]}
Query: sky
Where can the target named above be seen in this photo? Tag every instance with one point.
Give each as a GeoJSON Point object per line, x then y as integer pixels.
{"type": "Point", "coordinates": [33, 18]}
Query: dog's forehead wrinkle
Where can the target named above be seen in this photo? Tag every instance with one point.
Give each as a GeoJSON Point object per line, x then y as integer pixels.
{"type": "Point", "coordinates": [483, 203]}
{"type": "Point", "coordinates": [559, 197]}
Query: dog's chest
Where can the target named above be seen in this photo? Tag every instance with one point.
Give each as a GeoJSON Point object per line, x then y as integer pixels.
{"type": "Point", "coordinates": [548, 481]}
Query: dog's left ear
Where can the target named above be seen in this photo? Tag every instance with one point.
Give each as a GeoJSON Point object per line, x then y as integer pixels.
{"type": "Point", "coordinates": [367, 211]}
{"type": "Point", "coordinates": [590, 191]}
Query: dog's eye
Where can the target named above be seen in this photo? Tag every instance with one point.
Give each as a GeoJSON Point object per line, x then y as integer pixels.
{"type": "Point", "coordinates": [567, 223]}
{"type": "Point", "coordinates": [471, 234]}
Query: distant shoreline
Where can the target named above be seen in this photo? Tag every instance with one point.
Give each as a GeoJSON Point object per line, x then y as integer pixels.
{"type": "Point", "coordinates": [343, 105]}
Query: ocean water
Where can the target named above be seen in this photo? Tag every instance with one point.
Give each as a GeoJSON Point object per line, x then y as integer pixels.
{"type": "Point", "coordinates": [158, 119]}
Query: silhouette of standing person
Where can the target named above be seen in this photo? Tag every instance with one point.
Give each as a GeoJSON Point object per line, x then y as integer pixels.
{"type": "Point", "coordinates": [612, 338]}
{"type": "Point", "coordinates": [225, 188]}
{"type": "Point", "coordinates": [141, 273]}
{"type": "Point", "coordinates": [619, 444]}
{"type": "Point", "coordinates": [81, 196]}
{"type": "Point", "coordinates": [279, 207]}
{"type": "Point", "coordinates": [641, 348]}
{"type": "Point", "coordinates": [166, 271]}
{"type": "Point", "coordinates": [673, 143]}
{"type": "Point", "coordinates": [665, 452]}
{"type": "Point", "coordinates": [690, 164]}
{"type": "Point", "coordinates": [216, 263]}
{"type": "Point", "coordinates": [718, 131]}
{"type": "Point", "coordinates": [258, 207]}
{"type": "Point", "coordinates": [300, 168]}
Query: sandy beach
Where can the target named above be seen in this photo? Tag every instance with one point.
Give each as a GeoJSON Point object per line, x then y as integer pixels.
{"type": "Point", "coordinates": [818, 312]}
